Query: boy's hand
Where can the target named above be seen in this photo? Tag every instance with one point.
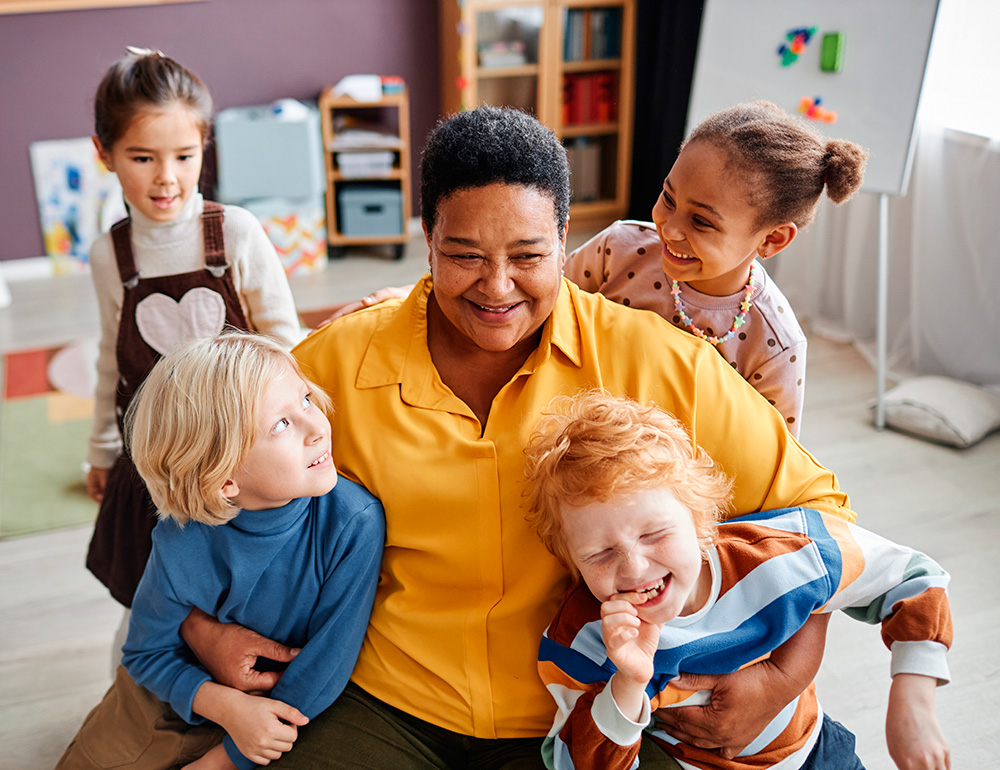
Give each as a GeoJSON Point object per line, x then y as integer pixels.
{"type": "Point", "coordinates": [912, 733]}
{"type": "Point", "coordinates": [630, 642]}
{"type": "Point", "coordinates": [262, 729]}
{"type": "Point", "coordinates": [97, 480]}
{"type": "Point", "coordinates": [230, 651]}
{"type": "Point", "coordinates": [631, 645]}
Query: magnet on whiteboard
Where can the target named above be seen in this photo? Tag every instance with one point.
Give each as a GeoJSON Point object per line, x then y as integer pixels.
{"type": "Point", "coordinates": [831, 55]}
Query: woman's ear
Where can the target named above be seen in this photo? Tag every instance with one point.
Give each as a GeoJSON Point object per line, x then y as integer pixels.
{"type": "Point", "coordinates": [777, 239]}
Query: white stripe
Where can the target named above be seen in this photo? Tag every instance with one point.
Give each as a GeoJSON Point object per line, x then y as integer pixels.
{"type": "Point", "coordinates": [772, 579]}
{"type": "Point", "coordinates": [772, 731]}
{"type": "Point", "coordinates": [910, 588]}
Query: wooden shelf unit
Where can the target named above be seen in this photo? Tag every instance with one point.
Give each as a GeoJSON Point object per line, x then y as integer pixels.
{"type": "Point", "coordinates": [391, 113]}
{"type": "Point", "coordinates": [528, 41]}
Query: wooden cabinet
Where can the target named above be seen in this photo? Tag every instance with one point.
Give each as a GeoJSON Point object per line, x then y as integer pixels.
{"type": "Point", "coordinates": [366, 146]}
{"type": "Point", "coordinates": [569, 62]}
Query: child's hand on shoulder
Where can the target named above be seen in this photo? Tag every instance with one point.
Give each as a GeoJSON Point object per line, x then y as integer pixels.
{"type": "Point", "coordinates": [912, 733]}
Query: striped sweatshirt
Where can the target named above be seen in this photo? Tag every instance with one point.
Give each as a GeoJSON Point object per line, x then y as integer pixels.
{"type": "Point", "coordinates": [770, 571]}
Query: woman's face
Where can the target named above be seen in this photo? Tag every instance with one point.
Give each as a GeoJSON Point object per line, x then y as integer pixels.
{"type": "Point", "coordinates": [496, 258]}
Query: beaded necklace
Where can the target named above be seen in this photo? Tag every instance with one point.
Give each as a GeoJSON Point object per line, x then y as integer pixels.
{"type": "Point", "coordinates": [738, 321]}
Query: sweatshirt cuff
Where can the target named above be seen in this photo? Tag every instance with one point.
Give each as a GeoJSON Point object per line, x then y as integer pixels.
{"type": "Point", "coordinates": [234, 755]}
{"type": "Point", "coordinates": [612, 723]}
{"type": "Point", "coordinates": [101, 457]}
{"type": "Point", "coordinates": [183, 691]}
{"type": "Point", "coordinates": [924, 658]}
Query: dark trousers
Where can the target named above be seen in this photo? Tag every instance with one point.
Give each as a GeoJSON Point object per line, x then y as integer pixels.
{"type": "Point", "coordinates": [361, 732]}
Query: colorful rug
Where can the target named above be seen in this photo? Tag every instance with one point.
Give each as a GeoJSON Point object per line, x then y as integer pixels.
{"type": "Point", "coordinates": [46, 409]}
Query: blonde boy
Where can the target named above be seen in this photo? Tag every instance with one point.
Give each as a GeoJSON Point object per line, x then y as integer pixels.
{"type": "Point", "coordinates": [257, 529]}
{"type": "Point", "coordinates": [621, 495]}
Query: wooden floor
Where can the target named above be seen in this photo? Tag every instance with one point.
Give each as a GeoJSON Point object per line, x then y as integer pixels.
{"type": "Point", "coordinates": [57, 622]}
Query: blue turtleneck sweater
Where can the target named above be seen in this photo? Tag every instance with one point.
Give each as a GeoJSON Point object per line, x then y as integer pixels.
{"type": "Point", "coordinates": [303, 574]}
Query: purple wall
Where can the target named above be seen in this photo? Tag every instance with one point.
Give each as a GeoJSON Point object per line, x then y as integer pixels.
{"type": "Point", "coordinates": [248, 52]}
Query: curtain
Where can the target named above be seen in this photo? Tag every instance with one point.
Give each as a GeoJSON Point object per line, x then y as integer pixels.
{"type": "Point", "coordinates": [944, 264]}
{"type": "Point", "coordinates": [666, 42]}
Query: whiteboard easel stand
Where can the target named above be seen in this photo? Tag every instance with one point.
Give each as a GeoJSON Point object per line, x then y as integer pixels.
{"type": "Point", "coordinates": [882, 311]}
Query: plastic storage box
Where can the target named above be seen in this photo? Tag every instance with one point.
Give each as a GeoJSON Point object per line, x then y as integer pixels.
{"type": "Point", "coordinates": [268, 152]}
{"type": "Point", "coordinates": [366, 210]}
{"type": "Point", "coordinates": [355, 165]}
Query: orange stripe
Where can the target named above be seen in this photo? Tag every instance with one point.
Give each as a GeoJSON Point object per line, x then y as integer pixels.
{"type": "Point", "coordinates": [927, 616]}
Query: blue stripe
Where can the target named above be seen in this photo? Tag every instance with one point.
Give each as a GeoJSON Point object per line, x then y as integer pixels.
{"type": "Point", "coordinates": [727, 651]}
{"type": "Point", "coordinates": [828, 547]}
{"type": "Point", "coordinates": [909, 589]}
{"type": "Point", "coordinates": [578, 666]}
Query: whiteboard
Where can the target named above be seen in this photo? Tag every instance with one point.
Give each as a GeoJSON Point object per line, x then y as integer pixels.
{"type": "Point", "coordinates": [875, 94]}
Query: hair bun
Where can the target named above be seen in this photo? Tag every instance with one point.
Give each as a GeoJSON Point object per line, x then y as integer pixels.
{"type": "Point", "coordinates": [844, 169]}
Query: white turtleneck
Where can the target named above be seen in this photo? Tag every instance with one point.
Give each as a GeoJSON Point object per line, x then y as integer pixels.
{"type": "Point", "coordinates": [174, 247]}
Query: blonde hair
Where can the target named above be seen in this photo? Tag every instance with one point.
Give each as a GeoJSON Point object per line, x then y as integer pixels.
{"type": "Point", "coordinates": [593, 446]}
{"type": "Point", "coordinates": [194, 419]}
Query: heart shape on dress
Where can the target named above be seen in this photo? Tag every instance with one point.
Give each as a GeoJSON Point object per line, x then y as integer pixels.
{"type": "Point", "coordinates": [164, 323]}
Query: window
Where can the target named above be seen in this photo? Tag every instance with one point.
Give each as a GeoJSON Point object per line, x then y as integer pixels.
{"type": "Point", "coordinates": [963, 71]}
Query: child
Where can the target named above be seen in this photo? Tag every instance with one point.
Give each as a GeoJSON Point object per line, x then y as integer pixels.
{"type": "Point", "coordinates": [234, 445]}
{"type": "Point", "coordinates": [746, 180]}
{"type": "Point", "coordinates": [620, 495]}
{"type": "Point", "coordinates": [178, 267]}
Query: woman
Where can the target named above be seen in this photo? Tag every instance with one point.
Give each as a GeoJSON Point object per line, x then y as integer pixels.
{"type": "Point", "coordinates": [435, 397]}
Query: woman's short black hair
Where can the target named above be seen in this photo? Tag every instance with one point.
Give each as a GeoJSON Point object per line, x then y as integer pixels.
{"type": "Point", "coordinates": [489, 145]}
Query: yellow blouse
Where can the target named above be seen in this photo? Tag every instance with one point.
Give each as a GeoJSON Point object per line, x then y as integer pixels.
{"type": "Point", "coordinates": [466, 587]}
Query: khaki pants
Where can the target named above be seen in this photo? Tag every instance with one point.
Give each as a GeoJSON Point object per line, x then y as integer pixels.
{"type": "Point", "coordinates": [131, 728]}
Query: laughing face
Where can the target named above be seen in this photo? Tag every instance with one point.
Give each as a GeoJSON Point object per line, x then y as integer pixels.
{"type": "Point", "coordinates": [640, 547]}
{"type": "Point", "coordinates": [496, 257]}
{"type": "Point", "coordinates": [290, 457]}
{"type": "Point", "coordinates": [158, 159]}
{"type": "Point", "coordinates": [707, 224]}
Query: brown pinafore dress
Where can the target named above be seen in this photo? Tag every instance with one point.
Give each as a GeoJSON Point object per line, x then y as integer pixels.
{"type": "Point", "coordinates": [157, 313]}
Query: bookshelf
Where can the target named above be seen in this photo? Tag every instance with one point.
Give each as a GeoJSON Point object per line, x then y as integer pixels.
{"type": "Point", "coordinates": [569, 62]}
{"type": "Point", "coordinates": [366, 147]}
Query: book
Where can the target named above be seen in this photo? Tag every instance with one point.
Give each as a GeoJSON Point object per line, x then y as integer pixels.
{"type": "Point", "coordinates": [605, 33]}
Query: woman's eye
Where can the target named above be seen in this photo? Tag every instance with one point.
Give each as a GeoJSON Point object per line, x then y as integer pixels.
{"type": "Point", "coordinates": [668, 201]}
{"type": "Point", "coordinates": [699, 222]}
{"type": "Point", "coordinates": [306, 401]}
{"type": "Point", "coordinates": [280, 426]}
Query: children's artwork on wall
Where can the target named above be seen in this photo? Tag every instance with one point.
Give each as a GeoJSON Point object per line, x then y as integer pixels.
{"type": "Point", "coordinates": [78, 198]}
